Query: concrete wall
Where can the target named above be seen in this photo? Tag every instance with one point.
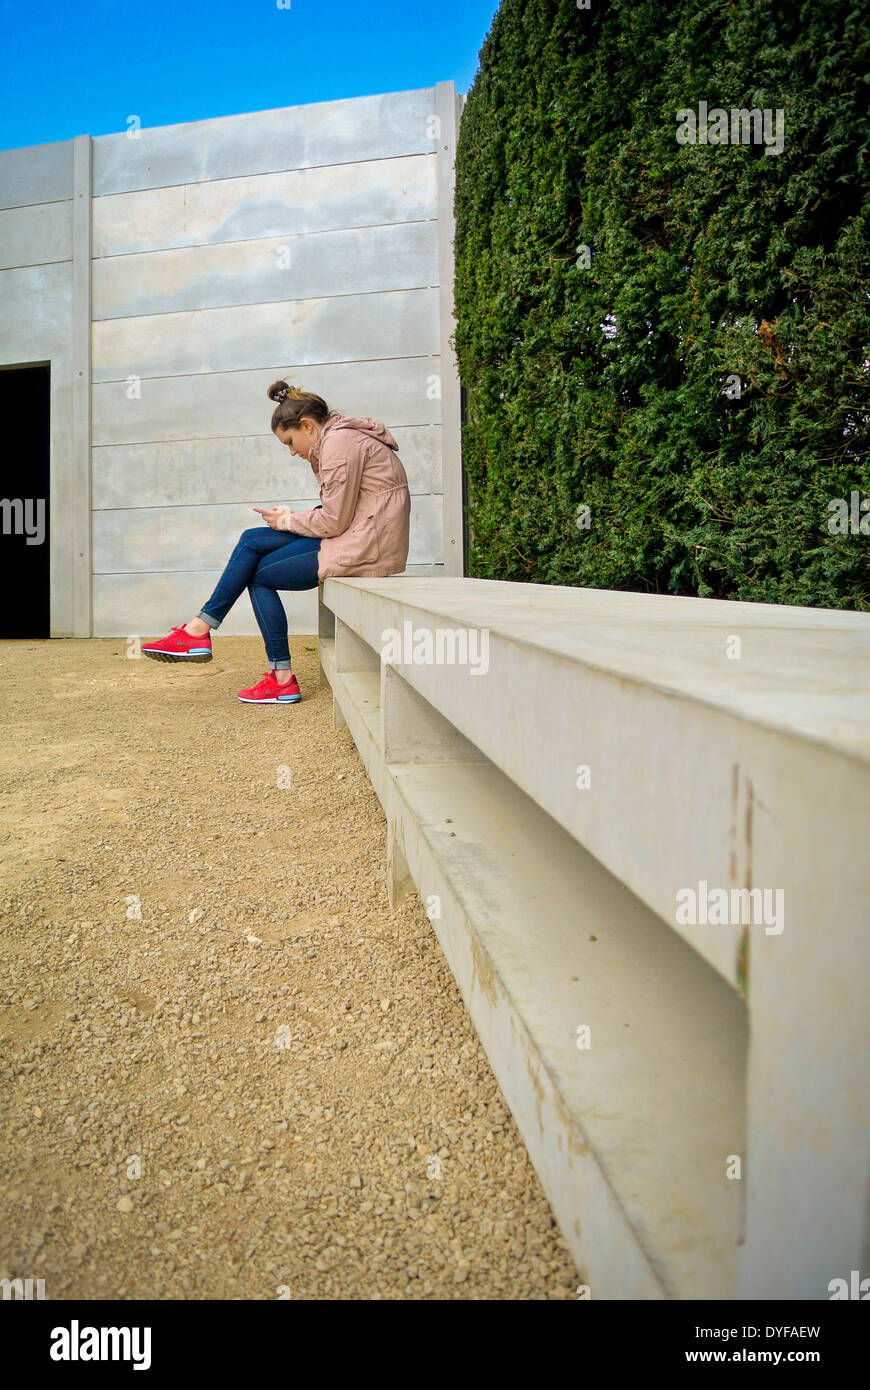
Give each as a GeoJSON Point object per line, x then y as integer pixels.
{"type": "Point", "coordinates": [312, 243]}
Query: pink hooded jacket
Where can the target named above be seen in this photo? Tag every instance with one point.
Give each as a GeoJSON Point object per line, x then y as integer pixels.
{"type": "Point", "coordinates": [365, 513]}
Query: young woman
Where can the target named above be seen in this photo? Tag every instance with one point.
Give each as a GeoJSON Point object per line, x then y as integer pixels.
{"type": "Point", "coordinates": [359, 528]}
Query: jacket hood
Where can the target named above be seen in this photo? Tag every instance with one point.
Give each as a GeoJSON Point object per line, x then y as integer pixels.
{"type": "Point", "coordinates": [375, 429]}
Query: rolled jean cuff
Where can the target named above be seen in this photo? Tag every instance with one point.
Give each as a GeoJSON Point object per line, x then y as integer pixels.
{"type": "Point", "coordinates": [282, 665]}
{"type": "Point", "coordinates": [207, 618]}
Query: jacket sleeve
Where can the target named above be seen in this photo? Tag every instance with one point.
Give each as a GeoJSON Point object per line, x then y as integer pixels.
{"type": "Point", "coordinates": [340, 479]}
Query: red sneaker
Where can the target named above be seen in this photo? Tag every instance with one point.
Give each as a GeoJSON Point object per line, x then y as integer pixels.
{"type": "Point", "coordinates": [179, 646]}
{"type": "Point", "coordinates": [270, 691]}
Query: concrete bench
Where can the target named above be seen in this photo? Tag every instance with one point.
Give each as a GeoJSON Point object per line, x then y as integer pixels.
{"type": "Point", "coordinates": [578, 783]}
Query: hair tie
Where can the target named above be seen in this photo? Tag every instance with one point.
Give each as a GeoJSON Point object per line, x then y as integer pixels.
{"type": "Point", "coordinates": [281, 395]}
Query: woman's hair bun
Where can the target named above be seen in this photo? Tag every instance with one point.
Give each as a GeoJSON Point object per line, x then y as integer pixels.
{"type": "Point", "coordinates": [294, 403]}
{"type": "Point", "coordinates": [279, 391]}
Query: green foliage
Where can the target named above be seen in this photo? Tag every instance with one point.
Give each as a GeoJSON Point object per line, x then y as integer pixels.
{"type": "Point", "coordinates": [715, 260]}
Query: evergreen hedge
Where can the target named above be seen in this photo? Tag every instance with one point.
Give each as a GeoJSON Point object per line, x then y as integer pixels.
{"type": "Point", "coordinates": [712, 268]}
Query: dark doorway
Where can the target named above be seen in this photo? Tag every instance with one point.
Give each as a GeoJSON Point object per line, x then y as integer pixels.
{"type": "Point", "coordinates": [24, 492]}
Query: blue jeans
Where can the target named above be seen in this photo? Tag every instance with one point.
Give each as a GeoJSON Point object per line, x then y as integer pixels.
{"type": "Point", "coordinates": [263, 562]}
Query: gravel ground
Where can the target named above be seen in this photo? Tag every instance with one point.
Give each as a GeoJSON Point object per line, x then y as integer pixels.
{"type": "Point", "coordinates": [228, 1069]}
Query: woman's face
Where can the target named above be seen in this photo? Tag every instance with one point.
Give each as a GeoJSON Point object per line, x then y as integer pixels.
{"type": "Point", "coordinates": [299, 438]}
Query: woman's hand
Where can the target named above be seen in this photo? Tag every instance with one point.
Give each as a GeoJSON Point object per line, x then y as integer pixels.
{"type": "Point", "coordinates": [276, 517]}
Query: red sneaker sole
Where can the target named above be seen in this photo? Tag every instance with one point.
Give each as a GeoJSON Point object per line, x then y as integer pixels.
{"type": "Point", "coordinates": [272, 700]}
{"type": "Point", "coordinates": [177, 656]}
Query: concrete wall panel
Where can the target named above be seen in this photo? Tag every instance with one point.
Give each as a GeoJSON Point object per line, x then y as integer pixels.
{"type": "Point", "coordinates": [262, 142]}
{"type": "Point", "coordinates": [426, 544]}
{"type": "Point", "coordinates": [358, 261]}
{"type": "Point", "coordinates": [36, 235]}
{"type": "Point", "coordinates": [36, 174]}
{"type": "Point", "coordinates": [146, 605]}
{"type": "Point", "coordinates": [184, 538]}
{"type": "Point", "coordinates": [293, 203]}
{"type": "Point", "coordinates": [201, 537]}
{"type": "Point", "coordinates": [35, 308]}
{"type": "Point", "coordinates": [213, 405]}
{"type": "Point", "coordinates": [341, 328]}
{"type": "Point", "coordinates": [208, 471]}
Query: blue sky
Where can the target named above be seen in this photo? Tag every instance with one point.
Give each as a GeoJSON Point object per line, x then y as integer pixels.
{"type": "Point", "coordinates": [74, 69]}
